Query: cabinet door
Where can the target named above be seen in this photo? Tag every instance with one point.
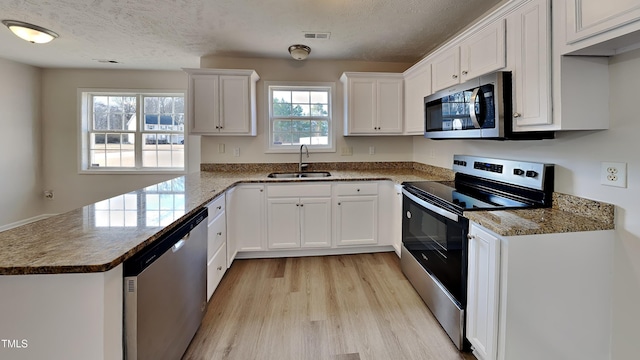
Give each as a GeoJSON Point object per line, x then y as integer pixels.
{"type": "Point", "coordinates": [586, 18]}
{"type": "Point", "coordinates": [483, 52]}
{"type": "Point", "coordinates": [356, 220]}
{"type": "Point", "coordinates": [389, 107]}
{"type": "Point", "coordinates": [362, 106]}
{"type": "Point", "coordinates": [483, 286]}
{"type": "Point", "coordinates": [529, 54]}
{"type": "Point", "coordinates": [417, 85]}
{"type": "Point", "coordinates": [396, 219]}
{"type": "Point", "coordinates": [445, 69]}
{"type": "Point", "coordinates": [235, 115]}
{"type": "Point", "coordinates": [315, 222]}
{"type": "Point", "coordinates": [246, 218]}
{"type": "Point", "coordinates": [216, 235]}
{"type": "Point", "coordinates": [216, 267]}
{"type": "Point", "coordinates": [283, 224]}
{"type": "Point", "coordinates": [203, 98]}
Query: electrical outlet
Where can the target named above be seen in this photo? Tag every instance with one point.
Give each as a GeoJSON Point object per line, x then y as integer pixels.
{"type": "Point", "coordinates": [613, 174]}
{"type": "Point", "coordinates": [346, 151]}
{"type": "Point", "coordinates": [372, 150]}
{"type": "Point", "coordinates": [236, 152]}
{"type": "Point", "coordinates": [48, 194]}
{"type": "Point", "coordinates": [221, 148]}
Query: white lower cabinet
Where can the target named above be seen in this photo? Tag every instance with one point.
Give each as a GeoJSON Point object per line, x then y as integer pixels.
{"type": "Point", "coordinates": [246, 217]}
{"type": "Point", "coordinates": [356, 214]}
{"type": "Point", "coordinates": [534, 297]}
{"type": "Point", "coordinates": [216, 243]}
{"type": "Point", "coordinates": [482, 293]}
{"type": "Point", "coordinates": [216, 268]}
{"type": "Point", "coordinates": [301, 221]}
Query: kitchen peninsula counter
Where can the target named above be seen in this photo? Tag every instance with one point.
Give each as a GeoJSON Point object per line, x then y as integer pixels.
{"type": "Point", "coordinates": [88, 239]}
{"type": "Point", "coordinates": [82, 241]}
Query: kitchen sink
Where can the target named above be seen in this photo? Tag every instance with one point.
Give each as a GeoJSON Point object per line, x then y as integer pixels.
{"type": "Point", "coordinates": [292, 175]}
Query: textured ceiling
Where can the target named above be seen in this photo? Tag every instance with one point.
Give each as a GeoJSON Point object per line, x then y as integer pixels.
{"type": "Point", "coordinates": [170, 34]}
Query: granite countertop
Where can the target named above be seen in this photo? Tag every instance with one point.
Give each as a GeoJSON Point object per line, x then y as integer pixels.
{"type": "Point", "coordinates": [100, 236]}
{"type": "Point", "coordinates": [567, 214]}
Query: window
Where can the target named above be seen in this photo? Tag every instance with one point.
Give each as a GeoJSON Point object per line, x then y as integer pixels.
{"type": "Point", "coordinates": [300, 114]}
{"type": "Point", "coordinates": [132, 131]}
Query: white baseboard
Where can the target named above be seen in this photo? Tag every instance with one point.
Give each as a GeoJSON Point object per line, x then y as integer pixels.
{"type": "Point", "coordinates": [25, 222]}
{"type": "Point", "coordinates": [312, 252]}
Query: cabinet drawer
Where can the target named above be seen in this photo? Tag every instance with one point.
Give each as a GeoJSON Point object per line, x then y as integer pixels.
{"type": "Point", "coordinates": [299, 190]}
{"type": "Point", "coordinates": [216, 235]}
{"type": "Point", "coordinates": [216, 207]}
{"type": "Point", "coordinates": [368, 188]}
{"type": "Point", "coordinates": [216, 268]}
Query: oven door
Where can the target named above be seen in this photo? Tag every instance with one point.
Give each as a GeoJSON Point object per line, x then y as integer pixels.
{"type": "Point", "coordinates": [437, 240]}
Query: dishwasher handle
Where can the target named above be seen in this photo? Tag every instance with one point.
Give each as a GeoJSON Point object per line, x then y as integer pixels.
{"type": "Point", "coordinates": [177, 246]}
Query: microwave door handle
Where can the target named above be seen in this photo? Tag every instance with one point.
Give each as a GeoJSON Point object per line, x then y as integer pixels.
{"type": "Point", "coordinates": [472, 108]}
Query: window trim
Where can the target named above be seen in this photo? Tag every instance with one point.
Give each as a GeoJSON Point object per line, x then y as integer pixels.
{"type": "Point", "coordinates": [84, 94]}
{"type": "Point", "coordinates": [309, 85]}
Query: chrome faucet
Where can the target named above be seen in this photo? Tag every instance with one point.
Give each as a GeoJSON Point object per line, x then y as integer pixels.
{"type": "Point", "coordinates": [300, 163]}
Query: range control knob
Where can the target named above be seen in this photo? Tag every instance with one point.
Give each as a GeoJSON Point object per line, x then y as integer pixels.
{"type": "Point", "coordinates": [531, 174]}
{"type": "Point", "coordinates": [518, 172]}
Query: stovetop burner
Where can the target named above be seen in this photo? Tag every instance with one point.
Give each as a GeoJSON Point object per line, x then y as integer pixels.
{"type": "Point", "coordinates": [489, 184]}
{"type": "Point", "coordinates": [463, 201]}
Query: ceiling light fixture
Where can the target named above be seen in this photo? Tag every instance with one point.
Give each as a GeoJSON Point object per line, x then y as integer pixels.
{"type": "Point", "coordinates": [29, 32]}
{"type": "Point", "coordinates": [299, 52]}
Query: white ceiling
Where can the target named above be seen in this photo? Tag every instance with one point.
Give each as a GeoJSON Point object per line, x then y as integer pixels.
{"type": "Point", "coordinates": [171, 34]}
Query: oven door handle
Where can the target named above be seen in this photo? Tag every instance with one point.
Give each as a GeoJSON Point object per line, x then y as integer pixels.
{"type": "Point", "coordinates": [434, 208]}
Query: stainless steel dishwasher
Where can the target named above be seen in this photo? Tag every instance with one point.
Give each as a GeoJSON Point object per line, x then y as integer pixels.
{"type": "Point", "coordinates": [165, 289]}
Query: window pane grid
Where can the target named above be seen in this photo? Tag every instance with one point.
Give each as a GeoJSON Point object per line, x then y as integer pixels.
{"type": "Point", "coordinates": [298, 116]}
{"type": "Point", "coordinates": [113, 127]}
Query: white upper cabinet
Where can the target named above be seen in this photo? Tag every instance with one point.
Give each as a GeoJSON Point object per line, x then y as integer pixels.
{"type": "Point", "coordinates": [482, 52]}
{"type": "Point", "coordinates": [445, 67]}
{"type": "Point", "coordinates": [529, 55]}
{"type": "Point", "coordinates": [373, 103]}
{"type": "Point", "coordinates": [222, 102]}
{"type": "Point", "coordinates": [417, 85]}
{"type": "Point", "coordinates": [588, 18]}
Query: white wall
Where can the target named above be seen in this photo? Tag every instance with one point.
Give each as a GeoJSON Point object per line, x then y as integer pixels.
{"type": "Point", "coordinates": [20, 149]}
{"type": "Point", "coordinates": [394, 148]}
{"type": "Point", "coordinates": [577, 156]}
{"type": "Point", "coordinates": [60, 134]}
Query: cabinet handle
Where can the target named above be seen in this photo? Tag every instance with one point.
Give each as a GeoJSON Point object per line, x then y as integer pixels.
{"type": "Point", "coordinates": [219, 207]}
{"type": "Point", "coordinates": [454, 76]}
{"type": "Point", "coordinates": [301, 205]}
{"type": "Point", "coordinates": [358, 190]}
{"type": "Point", "coordinates": [465, 72]}
{"type": "Point", "coordinates": [220, 234]}
{"type": "Point", "coordinates": [516, 115]}
{"type": "Point", "coordinates": [470, 237]}
{"type": "Point", "coordinates": [261, 190]}
{"type": "Point", "coordinates": [339, 203]}
{"type": "Point", "coordinates": [219, 268]}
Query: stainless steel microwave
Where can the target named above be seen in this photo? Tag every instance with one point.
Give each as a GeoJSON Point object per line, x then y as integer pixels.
{"type": "Point", "coordinates": [480, 108]}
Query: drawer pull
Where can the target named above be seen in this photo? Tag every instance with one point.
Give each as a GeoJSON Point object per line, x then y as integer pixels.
{"type": "Point", "coordinates": [219, 268]}
{"type": "Point", "coordinates": [220, 234]}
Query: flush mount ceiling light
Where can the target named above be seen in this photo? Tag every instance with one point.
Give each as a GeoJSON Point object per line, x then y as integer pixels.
{"type": "Point", "coordinates": [299, 52]}
{"type": "Point", "coordinates": [29, 32]}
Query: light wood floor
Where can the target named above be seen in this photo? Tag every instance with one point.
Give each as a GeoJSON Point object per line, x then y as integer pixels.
{"type": "Point", "coordinates": [349, 307]}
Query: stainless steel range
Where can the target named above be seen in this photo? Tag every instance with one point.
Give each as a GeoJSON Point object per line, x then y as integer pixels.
{"type": "Point", "coordinates": [434, 230]}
